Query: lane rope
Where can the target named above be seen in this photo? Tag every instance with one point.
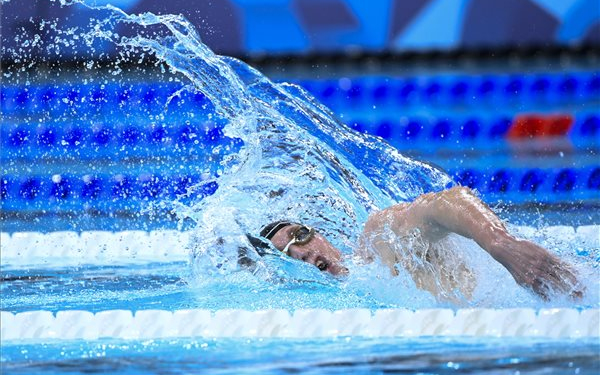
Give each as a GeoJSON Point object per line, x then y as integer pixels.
{"type": "Point", "coordinates": [26, 249]}
{"type": "Point", "coordinates": [155, 324]}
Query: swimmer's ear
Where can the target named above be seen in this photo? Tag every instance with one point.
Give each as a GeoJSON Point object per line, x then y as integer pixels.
{"type": "Point", "coordinates": [261, 246]}
{"type": "Point", "coordinates": [247, 256]}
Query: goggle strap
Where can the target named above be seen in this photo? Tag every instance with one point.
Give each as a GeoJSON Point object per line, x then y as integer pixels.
{"type": "Point", "coordinates": [286, 249]}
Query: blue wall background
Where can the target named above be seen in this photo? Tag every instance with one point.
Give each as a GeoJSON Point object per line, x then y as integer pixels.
{"type": "Point", "coordinates": [251, 27]}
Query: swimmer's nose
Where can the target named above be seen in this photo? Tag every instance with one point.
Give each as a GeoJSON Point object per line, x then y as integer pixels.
{"type": "Point", "coordinates": [300, 254]}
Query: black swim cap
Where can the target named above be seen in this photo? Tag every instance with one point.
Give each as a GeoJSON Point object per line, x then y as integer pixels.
{"type": "Point", "coordinates": [261, 246]}
{"type": "Point", "coordinates": [269, 230]}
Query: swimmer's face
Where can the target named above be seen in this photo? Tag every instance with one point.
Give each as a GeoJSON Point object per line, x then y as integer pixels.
{"type": "Point", "coordinates": [318, 251]}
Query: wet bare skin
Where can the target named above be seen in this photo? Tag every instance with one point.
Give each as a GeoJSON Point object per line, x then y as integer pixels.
{"type": "Point", "coordinates": [436, 215]}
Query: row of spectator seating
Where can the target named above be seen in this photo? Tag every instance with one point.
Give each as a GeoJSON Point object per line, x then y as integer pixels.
{"type": "Point", "coordinates": [338, 93]}
{"type": "Point", "coordinates": [473, 90]}
{"type": "Point", "coordinates": [541, 185]}
{"type": "Point", "coordinates": [53, 140]}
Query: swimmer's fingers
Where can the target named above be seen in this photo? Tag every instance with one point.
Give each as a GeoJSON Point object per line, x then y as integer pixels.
{"type": "Point", "coordinates": [540, 287]}
{"type": "Point", "coordinates": [565, 280]}
{"type": "Point", "coordinates": [546, 275]}
{"type": "Point", "coordinates": [557, 277]}
{"type": "Point", "coordinates": [536, 269]}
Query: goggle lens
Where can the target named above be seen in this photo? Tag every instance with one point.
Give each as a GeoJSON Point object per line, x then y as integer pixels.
{"type": "Point", "coordinates": [303, 235]}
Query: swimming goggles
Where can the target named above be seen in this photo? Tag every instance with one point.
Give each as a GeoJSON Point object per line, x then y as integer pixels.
{"type": "Point", "coordinates": [300, 236]}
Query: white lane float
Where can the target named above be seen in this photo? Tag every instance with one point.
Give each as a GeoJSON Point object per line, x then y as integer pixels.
{"type": "Point", "coordinates": [157, 324]}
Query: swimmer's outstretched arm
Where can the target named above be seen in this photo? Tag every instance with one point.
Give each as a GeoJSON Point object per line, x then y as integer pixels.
{"type": "Point", "coordinates": [458, 210]}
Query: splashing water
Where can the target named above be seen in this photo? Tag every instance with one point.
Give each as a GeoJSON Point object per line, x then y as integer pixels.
{"type": "Point", "coordinates": [297, 162]}
{"type": "Point", "coordinates": [298, 159]}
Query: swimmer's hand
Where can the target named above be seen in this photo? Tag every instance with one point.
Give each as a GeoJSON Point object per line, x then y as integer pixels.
{"type": "Point", "coordinates": [535, 268]}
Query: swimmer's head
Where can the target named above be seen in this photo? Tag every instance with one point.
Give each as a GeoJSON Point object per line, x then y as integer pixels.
{"type": "Point", "coordinates": [306, 244]}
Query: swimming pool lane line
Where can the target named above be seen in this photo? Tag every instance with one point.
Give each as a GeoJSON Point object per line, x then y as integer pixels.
{"type": "Point", "coordinates": [315, 323]}
{"type": "Point", "coordinates": [130, 247]}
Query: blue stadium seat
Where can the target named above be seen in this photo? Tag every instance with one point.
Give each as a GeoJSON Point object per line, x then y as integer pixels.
{"type": "Point", "coordinates": [30, 188]}
{"type": "Point", "coordinates": [381, 92]}
{"type": "Point", "coordinates": [60, 187]}
{"type": "Point", "coordinates": [407, 91]}
{"type": "Point", "coordinates": [459, 89]}
{"type": "Point", "coordinates": [19, 137]}
{"type": "Point", "coordinates": [73, 137]}
{"type": "Point", "coordinates": [98, 96]}
{"type": "Point", "coordinates": [442, 130]}
{"type": "Point", "coordinates": [123, 95]}
{"type": "Point", "coordinates": [486, 88]}
{"type": "Point", "coordinates": [412, 129]}
{"type": "Point", "coordinates": [540, 88]}
{"type": "Point", "coordinates": [46, 137]}
{"type": "Point", "coordinates": [540, 85]}
{"type": "Point", "coordinates": [102, 135]}
{"type": "Point", "coordinates": [328, 90]}
{"type": "Point", "coordinates": [91, 187]}
{"type": "Point", "coordinates": [71, 98]}
{"type": "Point", "coordinates": [384, 129]}
{"type": "Point", "coordinates": [209, 188]}
{"type": "Point", "coordinates": [356, 90]}
{"type": "Point", "coordinates": [4, 188]}
{"type": "Point", "coordinates": [500, 181]}
{"type": "Point", "coordinates": [23, 99]}
{"type": "Point", "coordinates": [432, 92]}
{"type": "Point", "coordinates": [514, 86]}
{"type": "Point", "coordinates": [564, 181]}
{"type": "Point", "coordinates": [187, 134]}
{"type": "Point", "coordinates": [499, 127]}
{"type": "Point", "coordinates": [590, 126]}
{"type": "Point", "coordinates": [149, 95]}
{"type": "Point", "coordinates": [359, 126]}
{"type": "Point", "coordinates": [593, 85]}
{"type": "Point", "coordinates": [469, 178]}
{"type": "Point", "coordinates": [158, 134]}
{"type": "Point", "coordinates": [4, 95]}
{"type": "Point", "coordinates": [150, 186]}
{"type": "Point", "coordinates": [122, 188]}
{"type": "Point", "coordinates": [568, 85]}
{"type": "Point", "coordinates": [470, 129]}
{"type": "Point", "coordinates": [532, 180]}
{"type": "Point", "coordinates": [130, 136]}
{"type": "Point", "coordinates": [213, 134]}
{"type": "Point", "coordinates": [180, 185]}
{"type": "Point", "coordinates": [47, 97]}
{"type": "Point", "coordinates": [593, 181]}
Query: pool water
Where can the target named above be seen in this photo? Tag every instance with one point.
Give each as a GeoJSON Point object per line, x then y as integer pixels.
{"type": "Point", "coordinates": [317, 356]}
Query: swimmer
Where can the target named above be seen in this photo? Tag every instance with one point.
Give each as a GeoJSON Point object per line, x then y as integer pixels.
{"type": "Point", "coordinates": [424, 224]}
